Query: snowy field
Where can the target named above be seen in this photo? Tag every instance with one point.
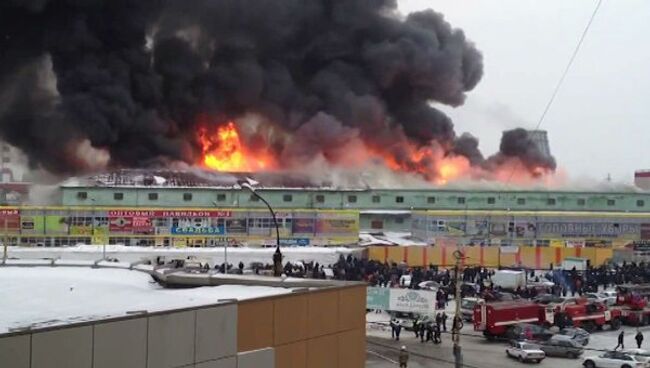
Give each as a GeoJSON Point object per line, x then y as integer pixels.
{"type": "Point", "coordinates": [44, 296]}
{"type": "Point", "coordinates": [322, 255]}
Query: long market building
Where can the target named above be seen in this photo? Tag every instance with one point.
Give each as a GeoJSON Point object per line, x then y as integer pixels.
{"type": "Point", "coordinates": [184, 209]}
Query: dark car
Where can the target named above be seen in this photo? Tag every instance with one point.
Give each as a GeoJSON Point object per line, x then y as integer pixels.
{"type": "Point", "coordinates": [527, 331]}
{"type": "Point", "coordinates": [576, 334]}
{"type": "Point", "coordinates": [562, 346]}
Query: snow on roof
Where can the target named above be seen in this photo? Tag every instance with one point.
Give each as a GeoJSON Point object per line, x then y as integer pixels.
{"type": "Point", "coordinates": [388, 238]}
{"type": "Point", "coordinates": [385, 212]}
{"type": "Point", "coordinates": [43, 296]}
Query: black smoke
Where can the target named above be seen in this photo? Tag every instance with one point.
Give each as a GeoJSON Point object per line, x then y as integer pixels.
{"type": "Point", "coordinates": [133, 77]}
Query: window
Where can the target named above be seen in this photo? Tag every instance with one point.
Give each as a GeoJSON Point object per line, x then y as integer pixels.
{"type": "Point", "coordinates": [82, 195]}
{"type": "Point", "coordinates": [399, 220]}
{"type": "Point", "coordinates": [491, 200]}
{"type": "Point", "coordinates": [581, 202]}
{"type": "Point", "coordinates": [320, 198]}
{"type": "Point", "coordinates": [6, 159]}
{"type": "Point", "coordinates": [221, 197]}
{"type": "Point", "coordinates": [352, 199]}
{"type": "Point", "coordinates": [640, 203]}
{"type": "Point", "coordinates": [431, 200]}
{"type": "Point", "coordinates": [550, 201]}
{"type": "Point", "coordinates": [461, 200]}
{"type": "Point", "coordinates": [521, 201]}
{"type": "Point", "coordinates": [153, 196]}
{"type": "Point", "coordinates": [287, 198]}
{"type": "Point", "coordinates": [399, 199]}
{"type": "Point", "coordinates": [611, 202]}
{"type": "Point", "coordinates": [376, 199]}
{"type": "Point", "coordinates": [377, 224]}
{"type": "Point", "coordinates": [253, 198]}
{"type": "Point", "coordinates": [118, 196]}
{"type": "Point", "coordinates": [187, 196]}
{"type": "Point", "coordinates": [5, 148]}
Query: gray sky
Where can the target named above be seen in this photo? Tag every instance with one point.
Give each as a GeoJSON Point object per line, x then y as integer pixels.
{"type": "Point", "coordinates": [600, 120]}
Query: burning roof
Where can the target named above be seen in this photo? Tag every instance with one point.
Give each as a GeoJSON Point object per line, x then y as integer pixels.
{"type": "Point", "coordinates": [244, 85]}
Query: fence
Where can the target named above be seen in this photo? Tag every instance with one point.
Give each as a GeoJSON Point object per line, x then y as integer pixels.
{"type": "Point", "coordinates": [530, 257]}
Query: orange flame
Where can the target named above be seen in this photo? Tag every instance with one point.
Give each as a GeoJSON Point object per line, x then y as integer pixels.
{"type": "Point", "coordinates": [224, 151]}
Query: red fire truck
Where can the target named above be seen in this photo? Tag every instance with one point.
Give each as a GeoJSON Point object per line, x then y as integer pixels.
{"type": "Point", "coordinates": [632, 303]}
{"type": "Point", "coordinates": [494, 319]}
{"type": "Point", "coordinates": [579, 312]}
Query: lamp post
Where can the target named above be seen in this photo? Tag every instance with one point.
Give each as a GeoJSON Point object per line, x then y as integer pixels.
{"type": "Point", "coordinates": [277, 255]}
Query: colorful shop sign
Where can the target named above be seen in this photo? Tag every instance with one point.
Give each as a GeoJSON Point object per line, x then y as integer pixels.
{"type": "Point", "coordinates": [163, 214]}
{"type": "Point", "coordinates": [198, 230]}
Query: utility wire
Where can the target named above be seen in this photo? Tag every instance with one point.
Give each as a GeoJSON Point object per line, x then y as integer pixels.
{"type": "Point", "coordinates": [564, 74]}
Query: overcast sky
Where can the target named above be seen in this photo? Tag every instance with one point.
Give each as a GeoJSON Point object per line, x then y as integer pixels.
{"type": "Point", "coordinates": [599, 123]}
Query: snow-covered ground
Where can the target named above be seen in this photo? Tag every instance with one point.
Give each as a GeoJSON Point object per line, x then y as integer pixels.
{"type": "Point", "coordinates": [44, 296]}
{"type": "Point", "coordinates": [367, 238]}
{"type": "Point", "coordinates": [322, 255]}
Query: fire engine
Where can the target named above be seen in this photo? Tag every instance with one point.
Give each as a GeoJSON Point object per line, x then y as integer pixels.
{"type": "Point", "coordinates": [579, 312]}
{"type": "Point", "coordinates": [632, 303]}
{"type": "Point", "coordinates": [494, 319]}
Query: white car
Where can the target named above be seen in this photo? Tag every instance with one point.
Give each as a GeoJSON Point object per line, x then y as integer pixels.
{"type": "Point", "coordinates": [526, 352]}
{"type": "Point", "coordinates": [606, 297]}
{"type": "Point", "coordinates": [615, 359]}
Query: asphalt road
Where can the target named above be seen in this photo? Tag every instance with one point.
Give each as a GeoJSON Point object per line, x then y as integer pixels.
{"type": "Point", "coordinates": [382, 351]}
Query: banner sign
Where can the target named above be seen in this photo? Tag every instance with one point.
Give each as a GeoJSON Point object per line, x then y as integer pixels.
{"type": "Point", "coordinates": [331, 226]}
{"type": "Point", "coordinates": [300, 242]}
{"type": "Point", "coordinates": [180, 213]}
{"type": "Point", "coordinates": [413, 301]}
{"type": "Point", "coordinates": [377, 298]}
{"type": "Point", "coordinates": [589, 230]}
{"type": "Point", "coordinates": [303, 225]}
{"type": "Point", "coordinates": [401, 300]}
{"type": "Point", "coordinates": [198, 230]}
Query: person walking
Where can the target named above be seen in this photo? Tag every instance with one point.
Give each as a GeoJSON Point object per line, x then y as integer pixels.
{"type": "Point", "coordinates": [416, 328]}
{"type": "Point", "coordinates": [621, 336]}
{"type": "Point", "coordinates": [393, 327]}
{"type": "Point", "coordinates": [422, 330]}
{"type": "Point", "coordinates": [638, 338]}
{"type": "Point", "coordinates": [436, 334]}
{"type": "Point", "coordinates": [403, 357]}
{"type": "Point", "coordinates": [398, 330]}
{"type": "Point", "coordinates": [444, 322]}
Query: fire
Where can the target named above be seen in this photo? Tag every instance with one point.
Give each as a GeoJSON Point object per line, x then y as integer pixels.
{"type": "Point", "coordinates": [224, 151]}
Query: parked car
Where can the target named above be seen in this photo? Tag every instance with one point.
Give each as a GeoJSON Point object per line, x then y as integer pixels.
{"type": "Point", "coordinates": [605, 298]}
{"type": "Point", "coordinates": [429, 285]}
{"type": "Point", "coordinates": [562, 346]}
{"type": "Point", "coordinates": [614, 359]}
{"type": "Point", "coordinates": [546, 299]}
{"type": "Point", "coordinates": [640, 354]}
{"type": "Point", "coordinates": [467, 308]}
{"type": "Point", "coordinates": [577, 334]}
{"type": "Point", "coordinates": [525, 352]}
{"type": "Point", "coordinates": [527, 331]}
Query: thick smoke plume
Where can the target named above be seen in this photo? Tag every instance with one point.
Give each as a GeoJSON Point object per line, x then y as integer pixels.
{"type": "Point", "coordinates": [134, 79]}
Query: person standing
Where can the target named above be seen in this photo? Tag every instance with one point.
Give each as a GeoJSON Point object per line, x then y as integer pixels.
{"type": "Point", "coordinates": [398, 330]}
{"type": "Point", "coordinates": [638, 338]}
{"type": "Point", "coordinates": [422, 330]}
{"type": "Point", "coordinates": [403, 357]}
{"type": "Point", "coordinates": [621, 336]}
{"type": "Point", "coordinates": [444, 322]}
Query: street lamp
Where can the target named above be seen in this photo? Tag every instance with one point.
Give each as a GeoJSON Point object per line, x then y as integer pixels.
{"type": "Point", "coordinates": [277, 256]}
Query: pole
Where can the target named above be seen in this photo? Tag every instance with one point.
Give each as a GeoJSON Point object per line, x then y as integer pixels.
{"type": "Point", "coordinates": [225, 256]}
{"type": "Point", "coordinates": [277, 256]}
{"type": "Point", "coordinates": [4, 245]}
{"type": "Point", "coordinates": [458, 356]}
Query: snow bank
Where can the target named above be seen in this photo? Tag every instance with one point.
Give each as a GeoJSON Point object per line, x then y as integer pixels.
{"type": "Point", "coordinates": [322, 255]}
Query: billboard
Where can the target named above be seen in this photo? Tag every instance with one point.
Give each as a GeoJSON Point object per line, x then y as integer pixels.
{"type": "Point", "coordinates": [303, 226]}
{"type": "Point", "coordinates": [198, 230]}
{"type": "Point", "coordinates": [401, 300]}
{"type": "Point", "coordinates": [337, 226]}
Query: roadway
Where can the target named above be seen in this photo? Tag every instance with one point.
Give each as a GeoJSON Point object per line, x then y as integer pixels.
{"type": "Point", "coordinates": [382, 351]}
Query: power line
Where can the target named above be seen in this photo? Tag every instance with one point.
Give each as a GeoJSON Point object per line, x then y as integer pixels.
{"type": "Point", "coordinates": [562, 77]}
